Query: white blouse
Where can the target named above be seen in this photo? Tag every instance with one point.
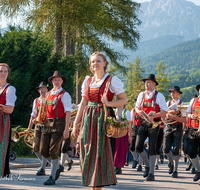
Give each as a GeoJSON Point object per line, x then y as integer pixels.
{"type": "Point", "coordinates": [10, 95]}
{"type": "Point", "coordinates": [116, 85]}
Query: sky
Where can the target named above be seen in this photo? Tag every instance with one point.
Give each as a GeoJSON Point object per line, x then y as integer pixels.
{"type": "Point", "coordinates": [4, 22]}
{"type": "Point", "coordinates": [197, 2]}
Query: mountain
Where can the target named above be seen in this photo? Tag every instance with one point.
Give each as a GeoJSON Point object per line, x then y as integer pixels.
{"type": "Point", "coordinates": [169, 17]}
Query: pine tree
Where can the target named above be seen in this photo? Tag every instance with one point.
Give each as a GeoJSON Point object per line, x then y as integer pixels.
{"type": "Point", "coordinates": [162, 80]}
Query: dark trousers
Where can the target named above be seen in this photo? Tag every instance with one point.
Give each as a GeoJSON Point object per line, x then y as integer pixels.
{"type": "Point", "coordinates": [144, 131]}
{"type": "Point", "coordinates": [51, 139]}
{"type": "Point", "coordinates": [37, 138]}
{"type": "Point", "coordinates": [159, 142]}
{"type": "Point", "coordinates": [65, 145]}
{"type": "Point", "coordinates": [134, 135]}
{"type": "Point", "coordinates": [173, 134]}
{"type": "Point", "coordinates": [191, 143]}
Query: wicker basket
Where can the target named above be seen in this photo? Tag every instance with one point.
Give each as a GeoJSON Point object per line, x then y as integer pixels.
{"type": "Point", "coordinates": [113, 131]}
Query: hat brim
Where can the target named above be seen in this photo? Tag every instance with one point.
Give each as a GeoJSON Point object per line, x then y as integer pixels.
{"type": "Point", "coordinates": [37, 88]}
{"type": "Point", "coordinates": [172, 90]}
{"type": "Point", "coordinates": [51, 78]}
{"type": "Point", "coordinates": [151, 80]}
{"type": "Point", "coordinates": [197, 87]}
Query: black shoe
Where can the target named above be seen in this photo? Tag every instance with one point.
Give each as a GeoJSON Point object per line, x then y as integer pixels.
{"type": "Point", "coordinates": [175, 174]}
{"type": "Point", "coordinates": [49, 181]}
{"type": "Point", "coordinates": [185, 159]}
{"type": "Point", "coordinates": [61, 168]}
{"type": "Point", "coordinates": [69, 165]}
{"type": "Point", "coordinates": [156, 167]}
{"type": "Point", "coordinates": [150, 177]}
{"type": "Point", "coordinates": [139, 169]}
{"type": "Point", "coordinates": [161, 161]}
{"type": "Point", "coordinates": [193, 170]}
{"type": "Point", "coordinates": [57, 173]}
{"type": "Point", "coordinates": [40, 172]}
{"type": "Point", "coordinates": [146, 172]}
{"type": "Point", "coordinates": [134, 165]}
{"type": "Point", "coordinates": [126, 164]}
{"type": "Point", "coordinates": [197, 176]}
{"type": "Point", "coordinates": [118, 171]}
{"type": "Point", "coordinates": [171, 169]}
{"type": "Point", "coordinates": [188, 166]}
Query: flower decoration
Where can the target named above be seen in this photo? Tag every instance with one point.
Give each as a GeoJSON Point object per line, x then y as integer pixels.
{"type": "Point", "coordinates": [118, 122]}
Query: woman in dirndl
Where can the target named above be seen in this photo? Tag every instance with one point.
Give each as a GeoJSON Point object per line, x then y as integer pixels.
{"type": "Point", "coordinates": [7, 103]}
{"type": "Point", "coordinates": [96, 160]}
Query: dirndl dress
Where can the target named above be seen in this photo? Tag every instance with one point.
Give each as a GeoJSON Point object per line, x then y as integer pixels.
{"type": "Point", "coordinates": [96, 160]}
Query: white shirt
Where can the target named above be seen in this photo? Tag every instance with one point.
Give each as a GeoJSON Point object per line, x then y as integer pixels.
{"type": "Point", "coordinates": [189, 110]}
{"type": "Point", "coordinates": [160, 100]}
{"type": "Point", "coordinates": [34, 109]}
{"type": "Point", "coordinates": [127, 116]}
{"type": "Point", "coordinates": [10, 95]}
{"type": "Point", "coordinates": [177, 102]}
{"type": "Point", "coordinates": [116, 85]}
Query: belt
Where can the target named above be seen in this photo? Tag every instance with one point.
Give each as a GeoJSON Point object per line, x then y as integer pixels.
{"type": "Point", "coordinates": [49, 120]}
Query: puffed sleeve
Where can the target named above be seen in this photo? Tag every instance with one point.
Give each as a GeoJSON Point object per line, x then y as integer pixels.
{"type": "Point", "coordinates": [116, 86]}
{"type": "Point", "coordinates": [10, 96]}
{"type": "Point", "coordinates": [67, 101]}
{"type": "Point", "coordinates": [84, 86]}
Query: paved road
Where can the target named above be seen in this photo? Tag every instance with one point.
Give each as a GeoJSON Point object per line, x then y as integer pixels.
{"type": "Point", "coordinates": [25, 178]}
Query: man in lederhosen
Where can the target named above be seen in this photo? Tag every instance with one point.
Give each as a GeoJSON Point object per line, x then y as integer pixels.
{"type": "Point", "coordinates": [193, 137]}
{"type": "Point", "coordinates": [174, 132]}
{"type": "Point", "coordinates": [57, 124]}
{"type": "Point", "coordinates": [151, 102]}
{"type": "Point", "coordinates": [42, 89]}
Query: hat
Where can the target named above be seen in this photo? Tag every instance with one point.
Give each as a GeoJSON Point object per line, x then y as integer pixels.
{"type": "Point", "coordinates": [56, 74]}
{"type": "Point", "coordinates": [42, 84]}
{"type": "Point", "coordinates": [151, 77]}
{"type": "Point", "coordinates": [175, 88]}
{"type": "Point", "coordinates": [197, 87]}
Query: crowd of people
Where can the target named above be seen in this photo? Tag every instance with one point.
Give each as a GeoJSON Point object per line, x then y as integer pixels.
{"type": "Point", "coordinates": [152, 120]}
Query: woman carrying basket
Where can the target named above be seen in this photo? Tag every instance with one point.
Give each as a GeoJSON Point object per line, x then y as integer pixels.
{"type": "Point", "coordinates": [96, 160]}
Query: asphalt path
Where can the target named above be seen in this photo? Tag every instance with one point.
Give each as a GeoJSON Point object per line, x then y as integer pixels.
{"type": "Point", "coordinates": [25, 178]}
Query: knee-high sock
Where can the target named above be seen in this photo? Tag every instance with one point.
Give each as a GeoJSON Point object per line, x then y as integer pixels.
{"type": "Point", "coordinates": [169, 155]}
{"type": "Point", "coordinates": [140, 160]}
{"type": "Point", "coordinates": [39, 156]}
{"type": "Point", "coordinates": [176, 159]}
{"type": "Point", "coordinates": [44, 163]}
{"type": "Point", "coordinates": [157, 159]}
{"type": "Point", "coordinates": [68, 159]}
{"type": "Point", "coordinates": [49, 159]}
{"type": "Point", "coordinates": [195, 162]}
{"type": "Point", "coordinates": [152, 160]}
{"type": "Point", "coordinates": [135, 155]}
{"type": "Point", "coordinates": [63, 158]}
{"type": "Point", "coordinates": [144, 158]}
{"type": "Point", "coordinates": [54, 167]}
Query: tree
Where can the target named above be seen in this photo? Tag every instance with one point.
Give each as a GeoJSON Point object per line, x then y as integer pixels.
{"type": "Point", "coordinates": [135, 85]}
{"type": "Point", "coordinates": [162, 80]}
{"type": "Point", "coordinates": [90, 23]}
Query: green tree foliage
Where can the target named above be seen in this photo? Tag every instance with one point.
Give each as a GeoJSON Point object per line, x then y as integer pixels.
{"type": "Point", "coordinates": [29, 56]}
{"type": "Point", "coordinates": [134, 82]}
{"type": "Point", "coordinates": [163, 81]}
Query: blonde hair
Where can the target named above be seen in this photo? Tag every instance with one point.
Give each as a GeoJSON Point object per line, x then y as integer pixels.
{"type": "Point", "coordinates": [6, 65]}
{"type": "Point", "coordinates": [104, 59]}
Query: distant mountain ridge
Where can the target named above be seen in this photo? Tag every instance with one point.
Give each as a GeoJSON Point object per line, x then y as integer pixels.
{"type": "Point", "coordinates": [169, 17]}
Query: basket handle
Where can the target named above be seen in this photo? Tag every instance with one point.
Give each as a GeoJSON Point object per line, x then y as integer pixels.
{"type": "Point", "coordinates": [105, 93]}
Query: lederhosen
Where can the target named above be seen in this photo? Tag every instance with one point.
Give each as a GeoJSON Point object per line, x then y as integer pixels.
{"type": "Point", "coordinates": [145, 130]}
{"type": "Point", "coordinates": [173, 134]}
{"type": "Point", "coordinates": [191, 139]}
{"type": "Point", "coordinates": [136, 123]}
{"type": "Point", "coordinates": [52, 132]}
{"type": "Point", "coordinates": [38, 129]}
{"type": "Point", "coordinates": [5, 135]}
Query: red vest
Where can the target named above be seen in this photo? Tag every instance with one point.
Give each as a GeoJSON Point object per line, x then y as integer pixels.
{"type": "Point", "coordinates": [37, 106]}
{"type": "Point", "coordinates": [150, 104]}
{"type": "Point", "coordinates": [136, 121]}
{"type": "Point", "coordinates": [51, 108]}
{"type": "Point", "coordinates": [170, 103]}
{"type": "Point", "coordinates": [96, 95]}
{"type": "Point", "coordinates": [195, 110]}
{"type": "Point", "coordinates": [3, 96]}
